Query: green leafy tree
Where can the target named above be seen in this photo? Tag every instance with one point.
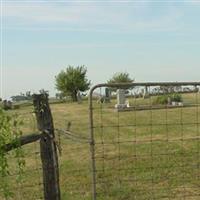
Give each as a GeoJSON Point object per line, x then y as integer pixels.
{"type": "Point", "coordinates": [120, 77]}
{"type": "Point", "coordinates": [71, 80]}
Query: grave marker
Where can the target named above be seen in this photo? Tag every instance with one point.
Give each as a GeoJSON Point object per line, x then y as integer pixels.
{"type": "Point", "coordinates": [107, 95]}
{"type": "Point", "coordinates": [121, 99]}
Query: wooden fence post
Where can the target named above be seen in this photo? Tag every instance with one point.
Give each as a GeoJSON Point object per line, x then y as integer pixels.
{"type": "Point", "coordinates": [48, 149]}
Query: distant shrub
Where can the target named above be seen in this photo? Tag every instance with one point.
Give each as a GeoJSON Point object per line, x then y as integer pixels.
{"type": "Point", "coordinates": [165, 98]}
{"type": "Point", "coordinates": [161, 99]}
{"type": "Point", "coordinates": [176, 97]}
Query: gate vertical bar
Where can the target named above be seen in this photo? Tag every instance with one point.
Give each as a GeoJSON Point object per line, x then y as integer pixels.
{"type": "Point", "coordinates": [92, 144]}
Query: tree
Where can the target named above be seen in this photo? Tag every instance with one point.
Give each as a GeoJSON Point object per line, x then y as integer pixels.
{"type": "Point", "coordinates": [121, 77]}
{"type": "Point", "coordinates": [71, 80]}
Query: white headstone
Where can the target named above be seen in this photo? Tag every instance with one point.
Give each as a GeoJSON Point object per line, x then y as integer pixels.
{"type": "Point", "coordinates": [121, 97]}
{"type": "Point", "coordinates": [174, 103]}
{"type": "Point", "coordinates": [180, 103]}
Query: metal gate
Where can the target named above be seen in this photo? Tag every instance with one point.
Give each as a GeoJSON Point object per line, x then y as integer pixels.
{"type": "Point", "coordinates": [145, 141]}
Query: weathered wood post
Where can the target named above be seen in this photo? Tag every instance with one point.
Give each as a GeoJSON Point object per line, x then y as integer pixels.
{"type": "Point", "coordinates": [48, 149]}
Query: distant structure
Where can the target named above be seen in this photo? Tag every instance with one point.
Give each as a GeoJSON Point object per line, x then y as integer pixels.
{"type": "Point", "coordinates": [22, 97]}
{"type": "Point", "coordinates": [18, 98]}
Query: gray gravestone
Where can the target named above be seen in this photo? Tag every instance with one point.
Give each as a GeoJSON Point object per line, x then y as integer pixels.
{"type": "Point", "coordinates": [107, 95]}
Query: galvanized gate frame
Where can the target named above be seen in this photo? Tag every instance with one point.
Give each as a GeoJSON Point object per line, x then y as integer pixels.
{"type": "Point", "coordinates": [91, 121]}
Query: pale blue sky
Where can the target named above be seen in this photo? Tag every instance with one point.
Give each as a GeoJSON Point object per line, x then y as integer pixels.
{"type": "Point", "coordinates": [152, 40]}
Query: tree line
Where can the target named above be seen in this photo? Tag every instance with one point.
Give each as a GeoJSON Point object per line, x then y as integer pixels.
{"type": "Point", "coordinates": [74, 79]}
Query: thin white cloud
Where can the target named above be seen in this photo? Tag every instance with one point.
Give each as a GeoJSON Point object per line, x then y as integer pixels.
{"type": "Point", "coordinates": [86, 45]}
{"type": "Point", "coordinates": [192, 2]}
{"type": "Point", "coordinates": [74, 13]}
{"type": "Point", "coordinates": [88, 18]}
{"type": "Point", "coordinates": [42, 13]}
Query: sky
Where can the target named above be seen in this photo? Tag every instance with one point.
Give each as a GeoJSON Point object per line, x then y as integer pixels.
{"type": "Point", "coordinates": [152, 40]}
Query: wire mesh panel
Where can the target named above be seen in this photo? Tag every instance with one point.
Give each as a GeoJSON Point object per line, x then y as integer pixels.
{"type": "Point", "coordinates": [145, 141]}
{"type": "Point", "coordinates": [74, 170]}
{"type": "Point", "coordinates": [28, 183]}
{"type": "Point", "coordinates": [72, 136]}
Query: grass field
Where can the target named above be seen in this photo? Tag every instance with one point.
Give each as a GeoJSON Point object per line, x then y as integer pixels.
{"type": "Point", "coordinates": [149, 154]}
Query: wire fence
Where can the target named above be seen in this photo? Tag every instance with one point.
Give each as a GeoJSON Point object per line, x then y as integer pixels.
{"type": "Point", "coordinates": [146, 141]}
{"type": "Point", "coordinates": [74, 168]}
{"type": "Point", "coordinates": [142, 143]}
{"type": "Point", "coordinates": [28, 183]}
